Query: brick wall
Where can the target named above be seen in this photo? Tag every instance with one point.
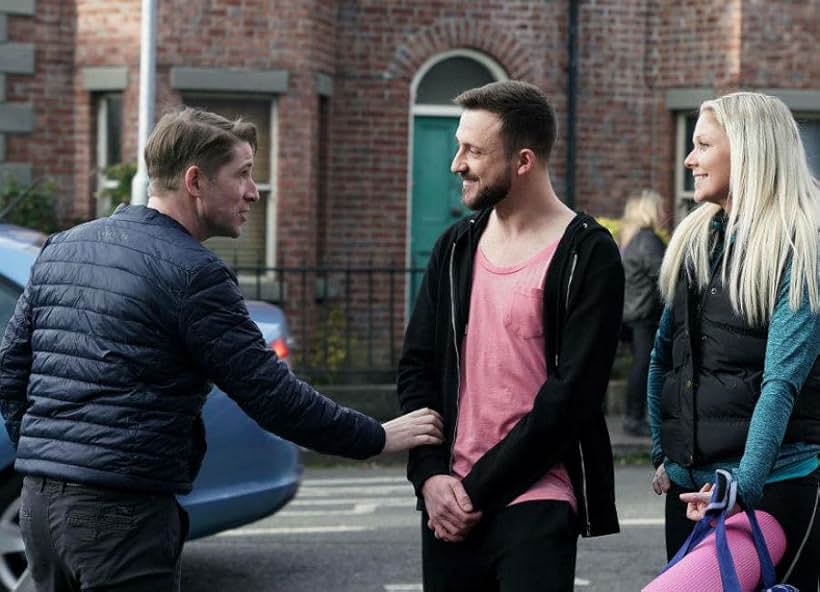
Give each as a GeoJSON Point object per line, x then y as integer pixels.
{"type": "Point", "coordinates": [382, 46]}
{"type": "Point", "coordinates": [617, 128]}
{"type": "Point", "coordinates": [51, 91]}
{"type": "Point", "coordinates": [630, 54]}
{"type": "Point", "coordinates": [779, 44]}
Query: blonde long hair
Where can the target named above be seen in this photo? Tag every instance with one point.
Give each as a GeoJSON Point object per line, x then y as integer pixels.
{"type": "Point", "coordinates": [641, 211]}
{"type": "Point", "coordinates": [773, 218]}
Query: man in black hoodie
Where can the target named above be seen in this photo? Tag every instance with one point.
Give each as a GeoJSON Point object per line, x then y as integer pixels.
{"type": "Point", "coordinates": [512, 339]}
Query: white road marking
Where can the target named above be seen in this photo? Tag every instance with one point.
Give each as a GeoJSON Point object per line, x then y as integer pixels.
{"type": "Point", "coordinates": [240, 532]}
{"type": "Point", "coordinates": [418, 587]}
{"type": "Point", "coordinates": [354, 481]}
{"type": "Point", "coordinates": [642, 522]}
{"type": "Point", "coordinates": [393, 502]}
{"type": "Point", "coordinates": [374, 490]}
{"type": "Point", "coordinates": [358, 510]}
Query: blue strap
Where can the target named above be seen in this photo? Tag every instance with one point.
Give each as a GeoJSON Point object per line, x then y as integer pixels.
{"type": "Point", "coordinates": [715, 519]}
{"type": "Point", "coordinates": [728, 573]}
{"type": "Point", "coordinates": [766, 564]}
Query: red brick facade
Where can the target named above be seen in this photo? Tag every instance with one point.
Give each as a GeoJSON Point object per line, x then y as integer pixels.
{"type": "Point", "coordinates": [350, 204]}
{"type": "Point", "coordinates": [629, 54]}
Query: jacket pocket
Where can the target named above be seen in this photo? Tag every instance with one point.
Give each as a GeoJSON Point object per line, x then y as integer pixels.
{"type": "Point", "coordinates": [525, 313]}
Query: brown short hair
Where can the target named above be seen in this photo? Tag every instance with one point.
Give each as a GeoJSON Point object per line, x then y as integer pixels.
{"type": "Point", "coordinates": [527, 117]}
{"type": "Point", "coordinates": [187, 137]}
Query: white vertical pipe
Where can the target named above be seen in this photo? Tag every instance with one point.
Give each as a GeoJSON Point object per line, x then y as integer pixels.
{"type": "Point", "coordinates": [148, 61]}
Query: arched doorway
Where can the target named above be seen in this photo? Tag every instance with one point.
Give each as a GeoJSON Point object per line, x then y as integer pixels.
{"type": "Point", "coordinates": [435, 193]}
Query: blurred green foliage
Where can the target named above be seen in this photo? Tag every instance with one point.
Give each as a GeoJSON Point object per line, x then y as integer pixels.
{"type": "Point", "coordinates": [33, 206]}
{"type": "Point", "coordinates": [613, 225]}
{"type": "Point", "coordinates": [118, 184]}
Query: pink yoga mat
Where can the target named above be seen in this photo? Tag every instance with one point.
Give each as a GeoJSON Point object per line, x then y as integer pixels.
{"type": "Point", "coordinates": [699, 571]}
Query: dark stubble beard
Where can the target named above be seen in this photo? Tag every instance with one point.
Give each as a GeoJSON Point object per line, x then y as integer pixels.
{"type": "Point", "coordinates": [490, 196]}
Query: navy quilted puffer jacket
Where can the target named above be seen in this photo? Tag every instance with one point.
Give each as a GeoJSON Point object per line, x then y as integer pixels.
{"type": "Point", "coordinates": [105, 365]}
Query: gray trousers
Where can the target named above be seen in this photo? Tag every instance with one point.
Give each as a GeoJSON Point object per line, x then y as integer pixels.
{"type": "Point", "coordinates": [87, 539]}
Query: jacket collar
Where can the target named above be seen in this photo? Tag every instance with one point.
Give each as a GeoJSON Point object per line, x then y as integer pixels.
{"type": "Point", "coordinates": [147, 215]}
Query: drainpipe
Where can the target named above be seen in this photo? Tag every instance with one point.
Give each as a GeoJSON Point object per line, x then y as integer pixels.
{"type": "Point", "coordinates": [148, 60]}
{"type": "Point", "coordinates": [572, 96]}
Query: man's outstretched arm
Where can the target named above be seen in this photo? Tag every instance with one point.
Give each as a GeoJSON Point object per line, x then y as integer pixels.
{"type": "Point", "coordinates": [227, 345]}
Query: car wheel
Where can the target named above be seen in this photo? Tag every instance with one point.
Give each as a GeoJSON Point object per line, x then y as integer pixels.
{"type": "Point", "coordinates": [12, 553]}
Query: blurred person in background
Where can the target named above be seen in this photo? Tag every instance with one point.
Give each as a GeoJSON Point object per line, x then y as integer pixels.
{"type": "Point", "coordinates": [642, 252]}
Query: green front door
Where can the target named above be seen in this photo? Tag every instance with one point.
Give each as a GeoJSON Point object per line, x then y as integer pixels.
{"type": "Point", "coordinates": [436, 191]}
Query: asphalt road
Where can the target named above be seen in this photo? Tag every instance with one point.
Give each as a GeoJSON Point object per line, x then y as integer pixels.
{"type": "Point", "coordinates": [354, 529]}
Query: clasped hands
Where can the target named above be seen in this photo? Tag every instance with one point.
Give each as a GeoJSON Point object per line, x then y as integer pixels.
{"type": "Point", "coordinates": [450, 511]}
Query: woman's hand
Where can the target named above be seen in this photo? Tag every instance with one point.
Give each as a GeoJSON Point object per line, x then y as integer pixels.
{"type": "Point", "coordinates": [660, 482]}
{"type": "Point", "coordinates": [696, 502]}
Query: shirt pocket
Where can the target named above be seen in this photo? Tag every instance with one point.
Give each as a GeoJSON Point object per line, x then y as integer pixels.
{"type": "Point", "coordinates": [525, 313]}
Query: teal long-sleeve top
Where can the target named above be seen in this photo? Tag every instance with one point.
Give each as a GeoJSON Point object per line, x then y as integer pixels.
{"type": "Point", "coordinates": [792, 347]}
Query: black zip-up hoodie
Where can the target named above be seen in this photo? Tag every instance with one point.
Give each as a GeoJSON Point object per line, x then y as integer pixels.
{"type": "Point", "coordinates": [583, 303]}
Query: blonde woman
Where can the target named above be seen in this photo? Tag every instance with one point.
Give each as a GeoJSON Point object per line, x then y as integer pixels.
{"type": "Point", "coordinates": [642, 252]}
{"type": "Point", "coordinates": [734, 379]}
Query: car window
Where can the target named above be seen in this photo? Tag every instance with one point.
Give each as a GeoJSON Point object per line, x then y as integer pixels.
{"type": "Point", "coordinates": [9, 293]}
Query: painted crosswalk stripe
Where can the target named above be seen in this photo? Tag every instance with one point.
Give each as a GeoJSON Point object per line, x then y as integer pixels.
{"type": "Point", "coordinates": [641, 522]}
{"type": "Point", "coordinates": [418, 587]}
{"type": "Point", "coordinates": [373, 490]}
{"type": "Point", "coordinates": [393, 502]}
{"type": "Point", "coordinates": [241, 532]}
{"type": "Point", "coordinates": [354, 481]}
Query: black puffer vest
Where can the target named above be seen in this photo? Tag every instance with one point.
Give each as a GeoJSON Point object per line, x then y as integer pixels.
{"type": "Point", "coordinates": [717, 371]}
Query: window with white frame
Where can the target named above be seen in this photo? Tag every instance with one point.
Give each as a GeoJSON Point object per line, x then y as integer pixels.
{"type": "Point", "coordinates": [255, 247]}
{"type": "Point", "coordinates": [809, 124]}
{"type": "Point", "coordinates": [108, 143]}
{"type": "Point", "coordinates": [684, 182]}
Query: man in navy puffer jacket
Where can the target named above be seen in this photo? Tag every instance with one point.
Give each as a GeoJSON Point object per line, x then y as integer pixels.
{"type": "Point", "coordinates": [123, 327]}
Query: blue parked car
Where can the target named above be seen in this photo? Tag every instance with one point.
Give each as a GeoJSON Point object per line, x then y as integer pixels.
{"type": "Point", "coordinates": [247, 473]}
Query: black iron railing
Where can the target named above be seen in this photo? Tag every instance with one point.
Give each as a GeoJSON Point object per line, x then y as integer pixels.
{"type": "Point", "coordinates": [347, 323]}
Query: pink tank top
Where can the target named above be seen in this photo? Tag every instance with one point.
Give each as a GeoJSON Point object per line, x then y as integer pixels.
{"type": "Point", "coordinates": [503, 365]}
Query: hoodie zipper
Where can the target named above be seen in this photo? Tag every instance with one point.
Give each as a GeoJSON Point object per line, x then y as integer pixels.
{"type": "Point", "coordinates": [455, 347]}
{"type": "Point", "coordinates": [571, 274]}
{"type": "Point", "coordinates": [584, 498]}
{"type": "Point", "coordinates": [587, 525]}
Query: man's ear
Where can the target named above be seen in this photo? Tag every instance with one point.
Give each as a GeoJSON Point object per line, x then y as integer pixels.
{"type": "Point", "coordinates": [526, 161]}
{"type": "Point", "coordinates": [192, 179]}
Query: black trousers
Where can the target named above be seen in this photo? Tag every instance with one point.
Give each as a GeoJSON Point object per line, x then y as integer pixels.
{"type": "Point", "coordinates": [795, 505]}
{"type": "Point", "coordinates": [643, 338]}
{"type": "Point", "coordinates": [527, 547]}
{"type": "Point", "coordinates": [88, 539]}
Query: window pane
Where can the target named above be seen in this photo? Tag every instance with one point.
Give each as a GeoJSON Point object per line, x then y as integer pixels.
{"type": "Point", "coordinates": [810, 134]}
{"type": "Point", "coordinates": [688, 179]}
{"type": "Point", "coordinates": [257, 112]}
{"type": "Point", "coordinates": [449, 78]}
{"type": "Point", "coordinates": [113, 129]}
